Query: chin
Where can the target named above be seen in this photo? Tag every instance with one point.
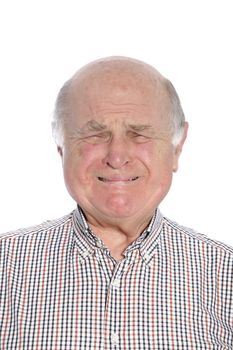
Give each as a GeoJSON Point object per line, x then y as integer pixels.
{"type": "Point", "coordinates": [118, 208]}
{"type": "Point", "coordinates": [118, 215]}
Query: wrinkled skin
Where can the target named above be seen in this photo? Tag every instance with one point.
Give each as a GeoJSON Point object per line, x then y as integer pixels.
{"type": "Point", "coordinates": [118, 157]}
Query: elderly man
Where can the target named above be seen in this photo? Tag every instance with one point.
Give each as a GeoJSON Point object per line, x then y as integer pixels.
{"type": "Point", "coordinates": [115, 273]}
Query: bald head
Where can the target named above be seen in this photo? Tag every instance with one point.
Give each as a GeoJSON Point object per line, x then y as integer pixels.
{"type": "Point", "coordinates": [118, 70]}
{"type": "Point", "coordinates": [112, 79]}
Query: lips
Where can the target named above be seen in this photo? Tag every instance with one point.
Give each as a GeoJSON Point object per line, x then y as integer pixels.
{"type": "Point", "coordinates": [118, 179]}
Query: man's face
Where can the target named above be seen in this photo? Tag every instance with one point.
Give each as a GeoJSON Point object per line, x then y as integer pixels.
{"type": "Point", "coordinates": [118, 157]}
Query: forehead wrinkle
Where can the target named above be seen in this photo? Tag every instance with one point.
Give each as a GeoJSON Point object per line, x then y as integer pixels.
{"type": "Point", "coordinates": [97, 116]}
{"type": "Point", "coordinates": [96, 107]}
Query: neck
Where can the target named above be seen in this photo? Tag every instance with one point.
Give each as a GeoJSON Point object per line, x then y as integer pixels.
{"type": "Point", "coordinates": [118, 234]}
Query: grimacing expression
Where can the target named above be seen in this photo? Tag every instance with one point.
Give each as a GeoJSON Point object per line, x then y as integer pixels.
{"type": "Point", "coordinates": [118, 156]}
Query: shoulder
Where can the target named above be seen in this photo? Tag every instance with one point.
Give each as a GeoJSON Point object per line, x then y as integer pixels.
{"type": "Point", "coordinates": [32, 232]}
{"type": "Point", "coordinates": [35, 244]}
{"type": "Point", "coordinates": [203, 259]}
{"type": "Point", "coordinates": [194, 238]}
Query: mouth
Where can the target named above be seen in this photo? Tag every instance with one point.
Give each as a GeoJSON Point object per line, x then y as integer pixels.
{"type": "Point", "coordinates": [118, 179]}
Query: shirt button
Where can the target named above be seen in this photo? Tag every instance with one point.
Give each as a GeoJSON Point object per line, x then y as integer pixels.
{"type": "Point", "coordinates": [114, 338]}
{"type": "Point", "coordinates": [146, 257]}
{"type": "Point", "coordinates": [85, 253]}
{"type": "Point", "coordinates": [99, 244]}
{"type": "Point", "coordinates": [116, 283]}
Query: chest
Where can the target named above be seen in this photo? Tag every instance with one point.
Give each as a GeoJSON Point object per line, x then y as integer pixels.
{"type": "Point", "coordinates": [94, 303]}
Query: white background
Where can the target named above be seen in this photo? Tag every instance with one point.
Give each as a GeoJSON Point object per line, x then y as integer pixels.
{"type": "Point", "coordinates": [44, 42]}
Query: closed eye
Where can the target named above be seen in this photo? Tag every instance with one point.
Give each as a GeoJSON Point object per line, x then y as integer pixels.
{"type": "Point", "coordinates": [139, 138]}
{"type": "Point", "coordinates": [97, 138]}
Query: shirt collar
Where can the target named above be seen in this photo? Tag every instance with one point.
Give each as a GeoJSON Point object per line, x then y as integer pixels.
{"type": "Point", "coordinates": [88, 242]}
{"type": "Point", "coordinates": [149, 244]}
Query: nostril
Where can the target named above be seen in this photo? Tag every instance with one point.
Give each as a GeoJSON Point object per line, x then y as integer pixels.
{"type": "Point", "coordinates": [116, 157]}
{"type": "Point", "coordinates": [116, 164]}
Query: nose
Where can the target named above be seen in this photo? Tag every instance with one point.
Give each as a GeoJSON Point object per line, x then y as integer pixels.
{"type": "Point", "coordinates": [117, 155]}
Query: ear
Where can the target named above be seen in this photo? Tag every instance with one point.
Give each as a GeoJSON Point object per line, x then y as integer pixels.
{"type": "Point", "coordinates": [178, 148]}
{"type": "Point", "coordinates": [59, 149]}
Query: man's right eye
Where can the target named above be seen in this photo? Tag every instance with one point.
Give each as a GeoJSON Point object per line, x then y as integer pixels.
{"type": "Point", "coordinates": [97, 138]}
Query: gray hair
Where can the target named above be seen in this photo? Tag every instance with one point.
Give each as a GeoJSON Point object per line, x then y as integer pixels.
{"type": "Point", "coordinates": [176, 113]}
{"type": "Point", "coordinates": [62, 111]}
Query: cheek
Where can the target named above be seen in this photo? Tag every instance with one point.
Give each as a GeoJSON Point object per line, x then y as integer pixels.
{"type": "Point", "coordinates": [145, 152]}
{"type": "Point", "coordinates": [84, 151]}
{"type": "Point", "coordinates": [90, 156]}
{"type": "Point", "coordinates": [155, 155]}
{"type": "Point", "coordinates": [77, 162]}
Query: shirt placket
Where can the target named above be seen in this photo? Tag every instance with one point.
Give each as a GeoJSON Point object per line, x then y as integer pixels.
{"type": "Point", "coordinates": [114, 313]}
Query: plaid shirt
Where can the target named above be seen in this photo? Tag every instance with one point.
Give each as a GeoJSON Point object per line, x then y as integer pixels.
{"type": "Point", "coordinates": [61, 289]}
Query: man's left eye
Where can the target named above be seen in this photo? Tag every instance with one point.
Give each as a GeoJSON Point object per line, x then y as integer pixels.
{"type": "Point", "coordinates": [140, 137]}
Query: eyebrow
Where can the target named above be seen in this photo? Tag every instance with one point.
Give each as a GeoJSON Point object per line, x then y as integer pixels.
{"type": "Point", "coordinates": [141, 127]}
{"type": "Point", "coordinates": [92, 125]}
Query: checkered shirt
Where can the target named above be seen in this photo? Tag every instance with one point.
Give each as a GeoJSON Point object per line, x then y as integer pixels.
{"type": "Point", "coordinates": [60, 289]}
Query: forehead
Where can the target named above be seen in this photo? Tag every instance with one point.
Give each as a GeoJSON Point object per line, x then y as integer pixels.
{"type": "Point", "coordinates": [118, 90]}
